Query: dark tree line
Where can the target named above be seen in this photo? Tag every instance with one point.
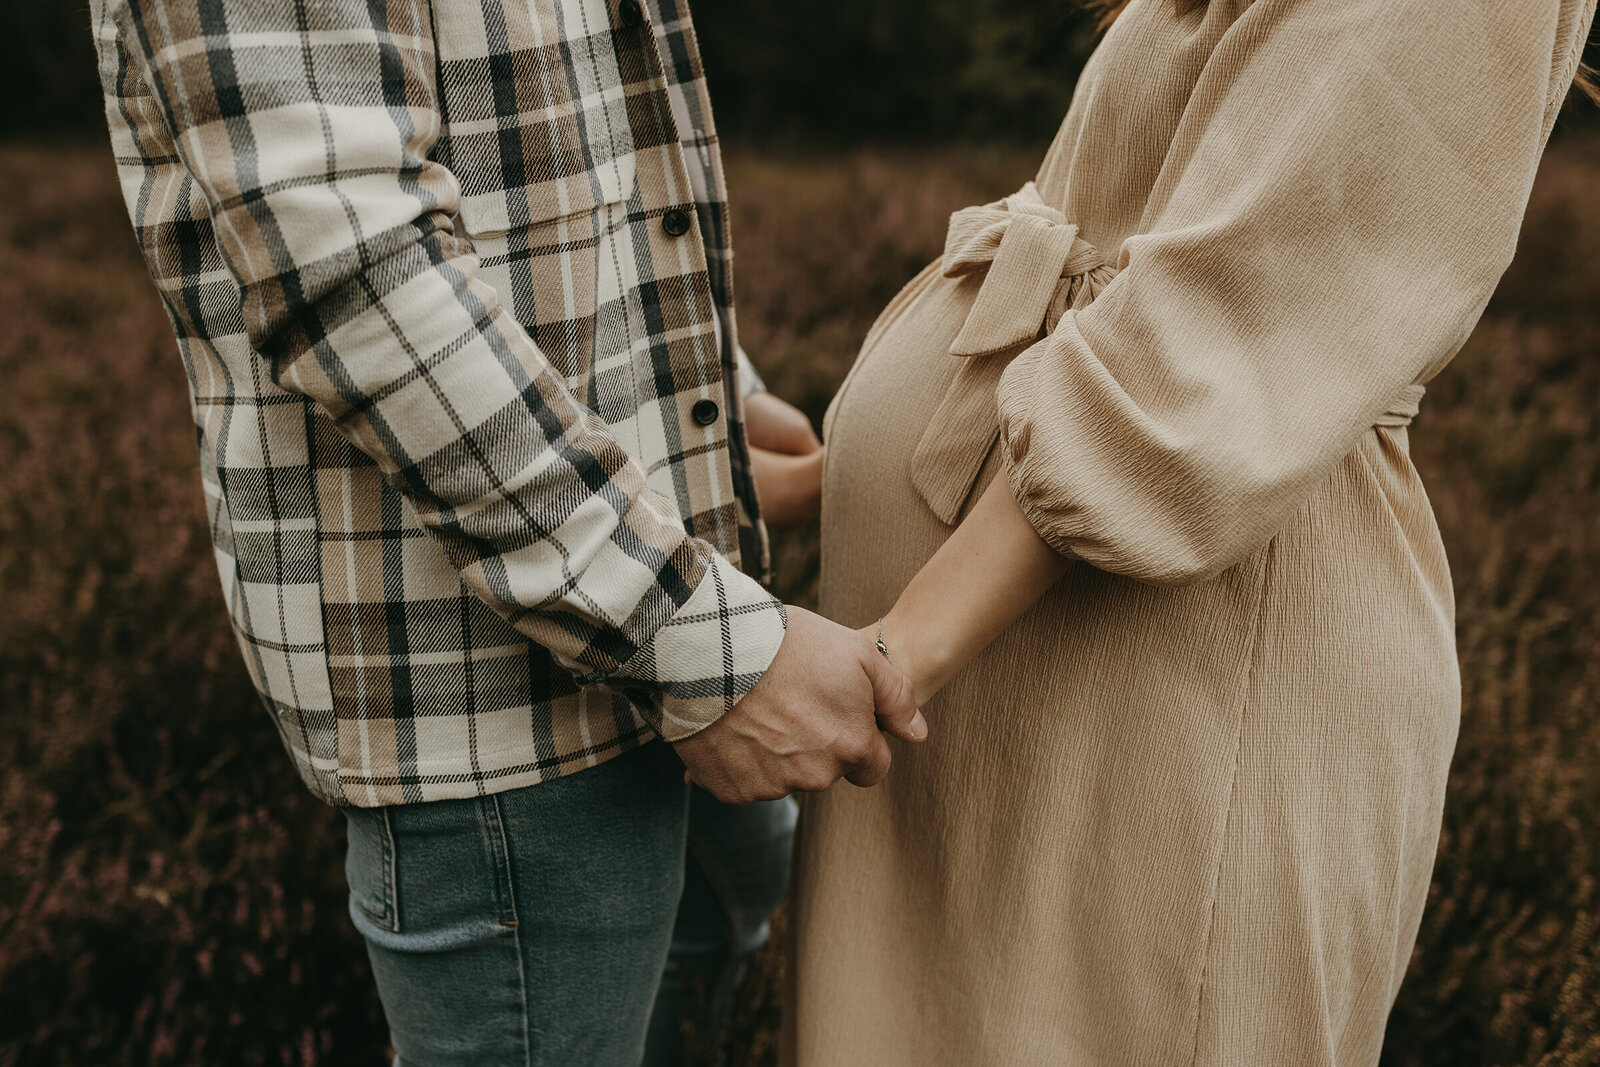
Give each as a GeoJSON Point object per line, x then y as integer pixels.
{"type": "Point", "coordinates": [840, 71]}
{"type": "Point", "coordinates": [899, 70]}
{"type": "Point", "coordinates": [845, 70]}
{"type": "Point", "coordinates": [48, 81]}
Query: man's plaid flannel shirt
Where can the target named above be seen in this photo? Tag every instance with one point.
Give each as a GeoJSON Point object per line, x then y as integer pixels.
{"type": "Point", "coordinates": [451, 285]}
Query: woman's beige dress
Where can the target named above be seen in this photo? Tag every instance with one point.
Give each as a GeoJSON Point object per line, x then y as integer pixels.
{"type": "Point", "coordinates": [1185, 810]}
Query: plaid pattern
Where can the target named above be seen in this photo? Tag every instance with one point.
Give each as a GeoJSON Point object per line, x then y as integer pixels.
{"type": "Point", "coordinates": [450, 366]}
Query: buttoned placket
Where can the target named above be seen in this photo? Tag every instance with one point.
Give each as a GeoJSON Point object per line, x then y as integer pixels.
{"type": "Point", "coordinates": [679, 222]}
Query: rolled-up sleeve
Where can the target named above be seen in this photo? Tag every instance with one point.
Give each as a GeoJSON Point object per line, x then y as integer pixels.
{"type": "Point", "coordinates": [308, 129]}
{"type": "Point", "coordinates": [1340, 200]}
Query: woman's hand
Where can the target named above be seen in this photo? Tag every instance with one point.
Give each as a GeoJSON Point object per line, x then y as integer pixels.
{"type": "Point", "coordinates": [786, 460]}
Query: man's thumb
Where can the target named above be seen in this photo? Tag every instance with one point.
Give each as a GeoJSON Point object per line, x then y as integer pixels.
{"type": "Point", "coordinates": [896, 702]}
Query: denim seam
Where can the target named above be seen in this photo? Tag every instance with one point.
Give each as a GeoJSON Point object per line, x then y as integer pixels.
{"type": "Point", "coordinates": [493, 820]}
{"type": "Point", "coordinates": [388, 918]}
{"type": "Point", "coordinates": [391, 895]}
{"type": "Point", "coordinates": [494, 844]}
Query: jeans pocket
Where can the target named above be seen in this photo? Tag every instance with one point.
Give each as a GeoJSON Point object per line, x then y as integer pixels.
{"type": "Point", "coordinates": [369, 866]}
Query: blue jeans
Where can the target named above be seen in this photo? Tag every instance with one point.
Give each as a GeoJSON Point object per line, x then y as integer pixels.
{"type": "Point", "coordinates": [736, 874]}
{"type": "Point", "coordinates": [532, 926]}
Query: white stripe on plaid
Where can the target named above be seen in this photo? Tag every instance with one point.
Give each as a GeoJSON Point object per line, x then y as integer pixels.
{"type": "Point", "coordinates": [447, 361]}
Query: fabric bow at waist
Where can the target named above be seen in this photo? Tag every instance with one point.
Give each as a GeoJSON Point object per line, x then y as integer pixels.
{"type": "Point", "coordinates": [1035, 268]}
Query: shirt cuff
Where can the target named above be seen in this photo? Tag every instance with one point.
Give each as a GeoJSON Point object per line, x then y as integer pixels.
{"type": "Point", "coordinates": [750, 380]}
{"type": "Point", "coordinates": [705, 658]}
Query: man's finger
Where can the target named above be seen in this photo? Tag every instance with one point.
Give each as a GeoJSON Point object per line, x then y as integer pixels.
{"type": "Point", "coordinates": [895, 698]}
{"type": "Point", "coordinates": [870, 770]}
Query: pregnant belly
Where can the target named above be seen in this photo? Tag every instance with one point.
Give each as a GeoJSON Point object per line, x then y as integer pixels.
{"type": "Point", "coordinates": [876, 530]}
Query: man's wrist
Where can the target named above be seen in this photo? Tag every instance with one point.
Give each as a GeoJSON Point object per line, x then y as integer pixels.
{"type": "Point", "coordinates": [704, 659]}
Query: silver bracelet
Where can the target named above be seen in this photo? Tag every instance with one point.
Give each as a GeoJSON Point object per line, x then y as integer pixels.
{"type": "Point", "coordinates": [882, 646]}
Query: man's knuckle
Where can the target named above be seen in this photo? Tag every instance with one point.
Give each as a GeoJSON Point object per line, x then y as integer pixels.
{"type": "Point", "coordinates": [815, 780]}
{"type": "Point", "coordinates": [856, 749]}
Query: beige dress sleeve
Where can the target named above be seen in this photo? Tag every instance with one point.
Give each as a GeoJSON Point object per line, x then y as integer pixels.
{"type": "Point", "coordinates": [1343, 193]}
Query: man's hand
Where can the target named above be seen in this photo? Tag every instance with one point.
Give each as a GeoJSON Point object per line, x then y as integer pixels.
{"type": "Point", "coordinates": [812, 719]}
{"type": "Point", "coordinates": [786, 460]}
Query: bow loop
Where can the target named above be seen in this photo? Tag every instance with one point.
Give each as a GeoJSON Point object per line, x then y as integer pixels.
{"type": "Point", "coordinates": [1036, 268]}
{"type": "Point", "coordinates": [976, 232]}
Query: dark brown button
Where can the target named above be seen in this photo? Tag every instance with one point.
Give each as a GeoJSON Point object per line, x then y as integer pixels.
{"type": "Point", "coordinates": [675, 222]}
{"type": "Point", "coordinates": [705, 412]}
{"type": "Point", "coordinates": [630, 12]}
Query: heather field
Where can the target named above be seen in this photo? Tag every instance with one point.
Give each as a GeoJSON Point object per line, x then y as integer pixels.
{"type": "Point", "coordinates": [169, 894]}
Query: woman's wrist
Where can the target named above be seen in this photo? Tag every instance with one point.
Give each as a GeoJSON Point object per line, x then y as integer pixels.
{"type": "Point", "coordinates": [915, 652]}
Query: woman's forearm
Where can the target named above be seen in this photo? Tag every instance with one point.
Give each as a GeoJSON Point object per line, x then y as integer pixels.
{"type": "Point", "coordinates": [981, 580]}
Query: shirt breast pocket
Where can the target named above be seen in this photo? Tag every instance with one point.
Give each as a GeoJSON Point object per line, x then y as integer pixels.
{"type": "Point", "coordinates": [535, 107]}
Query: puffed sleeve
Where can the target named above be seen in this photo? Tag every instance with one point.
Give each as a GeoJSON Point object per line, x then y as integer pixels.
{"type": "Point", "coordinates": [1342, 195]}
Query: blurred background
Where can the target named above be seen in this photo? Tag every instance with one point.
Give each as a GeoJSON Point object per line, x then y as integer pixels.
{"type": "Point", "coordinates": [169, 894]}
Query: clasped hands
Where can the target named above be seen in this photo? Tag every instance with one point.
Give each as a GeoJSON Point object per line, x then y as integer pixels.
{"type": "Point", "coordinates": [821, 710]}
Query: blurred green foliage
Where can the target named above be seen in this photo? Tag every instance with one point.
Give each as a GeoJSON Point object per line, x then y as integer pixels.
{"type": "Point", "coordinates": [862, 72]}
{"type": "Point", "coordinates": [49, 82]}
{"type": "Point", "coordinates": [895, 70]}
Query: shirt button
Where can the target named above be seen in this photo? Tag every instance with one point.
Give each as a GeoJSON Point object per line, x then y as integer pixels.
{"type": "Point", "coordinates": [630, 12]}
{"type": "Point", "coordinates": [705, 412]}
{"type": "Point", "coordinates": [675, 222]}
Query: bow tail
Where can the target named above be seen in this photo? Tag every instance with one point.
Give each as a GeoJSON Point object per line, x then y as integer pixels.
{"type": "Point", "coordinates": [958, 439]}
{"type": "Point", "coordinates": [1035, 267]}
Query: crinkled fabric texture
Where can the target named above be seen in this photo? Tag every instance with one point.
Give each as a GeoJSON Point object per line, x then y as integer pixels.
{"type": "Point", "coordinates": [1185, 810]}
